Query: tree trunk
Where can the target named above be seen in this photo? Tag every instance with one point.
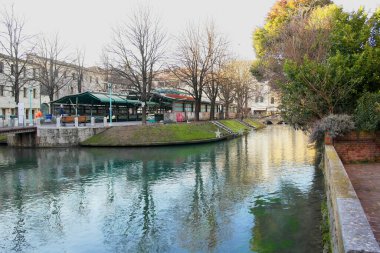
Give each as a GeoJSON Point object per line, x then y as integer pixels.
{"type": "Point", "coordinates": [197, 108]}
{"type": "Point", "coordinates": [79, 86]}
{"type": "Point", "coordinates": [212, 109]}
{"type": "Point", "coordinates": [227, 111]}
{"type": "Point", "coordinates": [143, 116]}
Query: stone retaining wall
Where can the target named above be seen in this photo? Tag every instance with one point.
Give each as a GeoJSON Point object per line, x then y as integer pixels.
{"type": "Point", "coordinates": [349, 227]}
{"type": "Point", "coordinates": [54, 137]}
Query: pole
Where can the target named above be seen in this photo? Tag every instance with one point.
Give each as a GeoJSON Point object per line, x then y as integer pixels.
{"type": "Point", "coordinates": [110, 91]}
{"type": "Point", "coordinates": [30, 106]}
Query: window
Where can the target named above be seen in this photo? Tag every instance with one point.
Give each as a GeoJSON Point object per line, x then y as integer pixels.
{"type": "Point", "coordinates": [90, 79]}
{"type": "Point", "coordinates": [1, 67]}
{"type": "Point", "coordinates": [64, 74]}
{"type": "Point", "coordinates": [25, 92]}
{"type": "Point", "coordinates": [34, 73]}
{"type": "Point", "coordinates": [188, 107]}
{"type": "Point", "coordinates": [97, 80]}
{"type": "Point", "coordinates": [261, 99]}
{"type": "Point", "coordinates": [256, 99]}
{"type": "Point", "coordinates": [2, 91]}
{"type": "Point", "coordinates": [73, 75]}
{"type": "Point", "coordinates": [12, 69]}
{"type": "Point", "coordinates": [72, 90]}
{"type": "Point", "coordinates": [272, 100]}
{"type": "Point", "coordinates": [34, 93]}
{"type": "Point", "coordinates": [56, 73]}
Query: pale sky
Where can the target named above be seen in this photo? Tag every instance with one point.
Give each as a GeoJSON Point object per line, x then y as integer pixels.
{"type": "Point", "coordinates": [88, 23]}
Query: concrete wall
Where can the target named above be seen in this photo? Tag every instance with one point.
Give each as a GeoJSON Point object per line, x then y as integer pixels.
{"type": "Point", "coordinates": [53, 137]}
{"type": "Point", "coordinates": [349, 227]}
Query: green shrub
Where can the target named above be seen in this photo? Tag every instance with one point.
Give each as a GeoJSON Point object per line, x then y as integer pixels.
{"type": "Point", "coordinates": [335, 124]}
{"type": "Point", "coordinates": [367, 112]}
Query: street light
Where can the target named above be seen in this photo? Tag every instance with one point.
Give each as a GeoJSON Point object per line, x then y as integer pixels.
{"type": "Point", "coordinates": [110, 94]}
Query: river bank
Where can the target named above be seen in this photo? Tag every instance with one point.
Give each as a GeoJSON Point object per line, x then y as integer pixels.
{"type": "Point", "coordinates": [168, 134]}
{"type": "Point", "coordinates": [131, 135]}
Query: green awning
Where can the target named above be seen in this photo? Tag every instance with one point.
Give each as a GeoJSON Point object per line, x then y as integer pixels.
{"type": "Point", "coordinates": [96, 98]}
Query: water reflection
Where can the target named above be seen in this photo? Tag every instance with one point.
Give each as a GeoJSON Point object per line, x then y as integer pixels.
{"type": "Point", "coordinates": [257, 193]}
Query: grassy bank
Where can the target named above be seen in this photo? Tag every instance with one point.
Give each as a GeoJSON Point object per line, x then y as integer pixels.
{"type": "Point", "coordinates": [3, 139]}
{"type": "Point", "coordinates": [235, 125]}
{"type": "Point", "coordinates": [153, 134]}
{"type": "Point", "coordinates": [254, 123]}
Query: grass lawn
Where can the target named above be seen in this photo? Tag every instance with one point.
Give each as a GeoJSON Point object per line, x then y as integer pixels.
{"type": "Point", "coordinates": [150, 134]}
{"type": "Point", "coordinates": [234, 125]}
{"type": "Point", "coordinates": [254, 123]}
{"type": "Point", "coordinates": [3, 138]}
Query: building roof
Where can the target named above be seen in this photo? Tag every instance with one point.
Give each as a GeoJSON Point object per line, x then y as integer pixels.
{"type": "Point", "coordinates": [99, 98]}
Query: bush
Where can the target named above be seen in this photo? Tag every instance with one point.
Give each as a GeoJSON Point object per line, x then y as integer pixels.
{"type": "Point", "coordinates": [367, 112]}
{"type": "Point", "coordinates": [335, 124]}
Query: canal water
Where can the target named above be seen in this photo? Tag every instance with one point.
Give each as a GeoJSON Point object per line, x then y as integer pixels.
{"type": "Point", "coordinates": [259, 193]}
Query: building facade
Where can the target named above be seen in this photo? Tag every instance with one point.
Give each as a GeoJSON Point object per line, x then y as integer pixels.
{"type": "Point", "coordinates": [265, 100]}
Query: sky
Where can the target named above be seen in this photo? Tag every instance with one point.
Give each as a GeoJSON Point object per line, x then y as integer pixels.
{"type": "Point", "coordinates": [87, 24]}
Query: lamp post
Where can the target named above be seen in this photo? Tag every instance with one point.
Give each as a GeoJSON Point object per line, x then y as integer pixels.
{"type": "Point", "coordinates": [30, 106]}
{"type": "Point", "coordinates": [110, 94]}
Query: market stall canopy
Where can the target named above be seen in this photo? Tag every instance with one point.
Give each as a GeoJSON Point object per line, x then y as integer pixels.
{"type": "Point", "coordinates": [97, 98]}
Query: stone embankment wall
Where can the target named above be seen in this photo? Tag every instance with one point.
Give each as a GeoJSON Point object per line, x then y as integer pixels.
{"type": "Point", "coordinates": [54, 137]}
{"type": "Point", "coordinates": [358, 147]}
{"type": "Point", "coordinates": [349, 227]}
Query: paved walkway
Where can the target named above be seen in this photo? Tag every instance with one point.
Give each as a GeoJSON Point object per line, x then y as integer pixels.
{"type": "Point", "coordinates": [124, 123]}
{"type": "Point", "coordinates": [366, 181]}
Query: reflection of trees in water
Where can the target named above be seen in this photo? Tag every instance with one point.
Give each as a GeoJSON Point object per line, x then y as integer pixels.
{"type": "Point", "coordinates": [283, 220]}
{"type": "Point", "coordinates": [19, 242]}
{"type": "Point", "coordinates": [134, 228]}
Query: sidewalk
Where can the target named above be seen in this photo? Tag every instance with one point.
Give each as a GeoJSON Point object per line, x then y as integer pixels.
{"type": "Point", "coordinates": [365, 179]}
{"type": "Point", "coordinates": [88, 125]}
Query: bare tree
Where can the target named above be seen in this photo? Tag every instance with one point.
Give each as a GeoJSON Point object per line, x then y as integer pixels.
{"type": "Point", "coordinates": [194, 59]}
{"type": "Point", "coordinates": [15, 44]}
{"type": "Point", "coordinates": [79, 68]}
{"type": "Point", "coordinates": [137, 52]}
{"type": "Point", "coordinates": [52, 66]}
{"type": "Point", "coordinates": [244, 86]}
{"type": "Point", "coordinates": [227, 87]}
{"type": "Point", "coordinates": [219, 59]}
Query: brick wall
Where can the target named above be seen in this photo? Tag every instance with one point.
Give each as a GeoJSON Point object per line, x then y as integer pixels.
{"type": "Point", "coordinates": [358, 147]}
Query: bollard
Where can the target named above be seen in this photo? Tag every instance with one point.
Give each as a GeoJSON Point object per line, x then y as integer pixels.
{"type": "Point", "coordinates": [76, 121]}
{"type": "Point", "coordinates": [92, 121]}
{"type": "Point", "coordinates": [58, 124]}
{"type": "Point", "coordinates": [105, 121]}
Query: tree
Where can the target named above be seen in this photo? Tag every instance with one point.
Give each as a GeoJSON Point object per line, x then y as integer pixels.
{"type": "Point", "coordinates": [227, 87]}
{"type": "Point", "coordinates": [16, 45]}
{"type": "Point", "coordinates": [52, 66]}
{"type": "Point", "coordinates": [289, 34]}
{"type": "Point", "coordinates": [219, 59]}
{"type": "Point", "coordinates": [197, 53]}
{"type": "Point", "coordinates": [244, 86]}
{"type": "Point", "coordinates": [79, 68]}
{"type": "Point", "coordinates": [137, 53]}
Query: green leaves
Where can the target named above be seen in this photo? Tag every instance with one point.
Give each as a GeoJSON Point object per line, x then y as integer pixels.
{"type": "Point", "coordinates": [367, 113]}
